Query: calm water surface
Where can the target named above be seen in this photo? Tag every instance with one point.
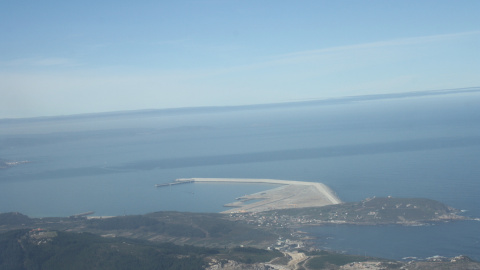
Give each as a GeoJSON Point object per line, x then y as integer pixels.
{"type": "Point", "coordinates": [422, 147]}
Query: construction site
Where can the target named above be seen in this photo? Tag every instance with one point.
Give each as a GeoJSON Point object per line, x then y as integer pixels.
{"type": "Point", "coordinates": [290, 194]}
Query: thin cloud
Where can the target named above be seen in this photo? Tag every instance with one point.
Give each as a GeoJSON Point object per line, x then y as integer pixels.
{"type": "Point", "coordinates": [379, 44]}
{"type": "Point", "coordinates": [341, 54]}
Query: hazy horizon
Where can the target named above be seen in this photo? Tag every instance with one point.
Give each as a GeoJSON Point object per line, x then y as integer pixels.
{"type": "Point", "coordinates": [64, 58]}
{"type": "Point", "coordinates": [329, 101]}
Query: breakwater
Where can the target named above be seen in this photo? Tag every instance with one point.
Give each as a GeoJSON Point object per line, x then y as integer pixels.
{"type": "Point", "coordinates": [176, 182]}
{"type": "Point", "coordinates": [290, 194]}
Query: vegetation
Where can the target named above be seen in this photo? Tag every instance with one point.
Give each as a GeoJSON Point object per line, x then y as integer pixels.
{"type": "Point", "coordinates": [24, 249]}
{"type": "Point", "coordinates": [158, 240]}
{"type": "Point", "coordinates": [40, 249]}
{"type": "Point", "coordinates": [124, 223]}
{"type": "Point", "coordinates": [14, 218]}
{"type": "Point", "coordinates": [74, 243]}
{"type": "Point", "coordinates": [323, 261]}
{"type": "Point", "coordinates": [374, 211]}
{"type": "Point", "coordinates": [194, 228]}
{"type": "Point", "coordinates": [253, 255]}
{"type": "Point", "coordinates": [204, 229]}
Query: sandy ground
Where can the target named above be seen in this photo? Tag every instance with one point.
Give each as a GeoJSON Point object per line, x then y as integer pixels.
{"type": "Point", "coordinates": [297, 258]}
{"type": "Point", "coordinates": [292, 194]}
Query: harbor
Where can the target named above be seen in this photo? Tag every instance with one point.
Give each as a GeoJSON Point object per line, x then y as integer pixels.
{"type": "Point", "coordinates": [290, 194]}
{"type": "Point", "coordinates": [176, 182]}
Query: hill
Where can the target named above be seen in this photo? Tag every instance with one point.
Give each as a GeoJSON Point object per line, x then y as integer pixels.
{"type": "Point", "coordinates": [372, 211]}
{"type": "Point", "coordinates": [205, 229]}
{"type": "Point", "coordinates": [41, 249]}
{"type": "Point", "coordinates": [45, 249]}
{"type": "Point", "coordinates": [208, 241]}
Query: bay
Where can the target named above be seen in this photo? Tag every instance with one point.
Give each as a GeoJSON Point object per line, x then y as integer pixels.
{"type": "Point", "coordinates": [411, 147]}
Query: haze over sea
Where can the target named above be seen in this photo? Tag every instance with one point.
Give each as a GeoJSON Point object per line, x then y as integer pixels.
{"type": "Point", "coordinates": [423, 144]}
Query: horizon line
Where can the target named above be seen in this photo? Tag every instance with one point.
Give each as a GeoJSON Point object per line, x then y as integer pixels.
{"type": "Point", "coordinates": [312, 101]}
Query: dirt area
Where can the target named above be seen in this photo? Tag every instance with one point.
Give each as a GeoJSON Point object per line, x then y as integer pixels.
{"type": "Point", "coordinates": [293, 194]}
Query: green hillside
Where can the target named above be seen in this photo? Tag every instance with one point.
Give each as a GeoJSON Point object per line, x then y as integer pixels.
{"type": "Point", "coordinates": [40, 249]}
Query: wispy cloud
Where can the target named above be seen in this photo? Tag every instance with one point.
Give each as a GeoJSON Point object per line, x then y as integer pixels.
{"type": "Point", "coordinates": [380, 44]}
{"type": "Point", "coordinates": [339, 58]}
{"type": "Point", "coordinates": [398, 65]}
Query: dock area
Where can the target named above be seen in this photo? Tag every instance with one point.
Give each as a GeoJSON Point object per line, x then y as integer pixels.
{"type": "Point", "coordinates": [176, 182]}
{"type": "Point", "coordinates": [291, 194]}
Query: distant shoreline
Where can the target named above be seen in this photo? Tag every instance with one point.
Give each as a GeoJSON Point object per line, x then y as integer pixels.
{"type": "Point", "coordinates": [245, 107]}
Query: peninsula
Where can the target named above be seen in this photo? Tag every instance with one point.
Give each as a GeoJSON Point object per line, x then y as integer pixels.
{"type": "Point", "coordinates": [290, 194]}
{"type": "Point", "coordinates": [298, 203]}
{"type": "Point", "coordinates": [262, 235]}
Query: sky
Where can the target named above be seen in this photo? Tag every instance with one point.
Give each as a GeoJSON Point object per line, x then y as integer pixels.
{"type": "Point", "coordinates": [72, 57]}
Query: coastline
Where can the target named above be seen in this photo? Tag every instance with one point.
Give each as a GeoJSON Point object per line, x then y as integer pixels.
{"type": "Point", "coordinates": [291, 194]}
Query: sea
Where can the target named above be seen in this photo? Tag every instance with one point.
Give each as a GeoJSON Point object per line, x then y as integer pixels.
{"type": "Point", "coordinates": [423, 144]}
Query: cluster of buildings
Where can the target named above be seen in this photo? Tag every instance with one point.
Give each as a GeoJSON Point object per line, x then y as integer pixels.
{"type": "Point", "coordinates": [40, 236]}
{"type": "Point", "coordinates": [276, 220]}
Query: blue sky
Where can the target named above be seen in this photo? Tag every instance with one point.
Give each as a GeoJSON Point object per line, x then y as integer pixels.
{"type": "Point", "coordinates": [69, 57]}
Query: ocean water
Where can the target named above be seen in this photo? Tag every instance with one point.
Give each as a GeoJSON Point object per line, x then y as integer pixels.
{"type": "Point", "coordinates": [402, 147]}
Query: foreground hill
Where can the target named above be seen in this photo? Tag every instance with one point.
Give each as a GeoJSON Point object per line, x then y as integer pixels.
{"type": "Point", "coordinates": [179, 240]}
{"type": "Point", "coordinates": [45, 249]}
{"type": "Point", "coordinates": [42, 249]}
{"type": "Point", "coordinates": [205, 229]}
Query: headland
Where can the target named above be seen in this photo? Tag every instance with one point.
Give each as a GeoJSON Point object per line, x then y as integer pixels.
{"type": "Point", "coordinates": [290, 194]}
